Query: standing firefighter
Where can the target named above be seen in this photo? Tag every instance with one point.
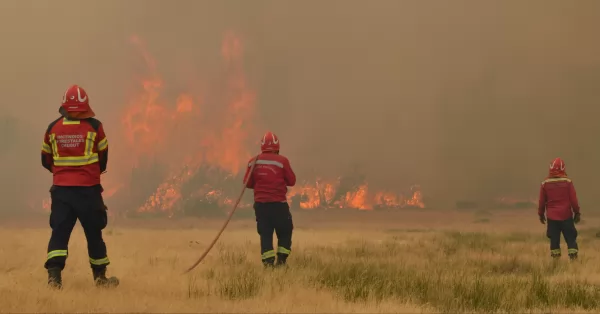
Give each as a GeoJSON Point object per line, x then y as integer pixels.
{"type": "Point", "coordinates": [559, 202]}
{"type": "Point", "coordinates": [75, 150]}
{"type": "Point", "coordinates": [270, 179]}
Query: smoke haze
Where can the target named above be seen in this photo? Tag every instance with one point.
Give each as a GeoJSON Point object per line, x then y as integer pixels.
{"type": "Point", "coordinates": [471, 99]}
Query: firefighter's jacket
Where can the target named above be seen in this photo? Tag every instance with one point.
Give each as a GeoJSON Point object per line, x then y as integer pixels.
{"type": "Point", "coordinates": [75, 151]}
{"type": "Point", "coordinates": [558, 199]}
{"type": "Point", "coordinates": [270, 178]}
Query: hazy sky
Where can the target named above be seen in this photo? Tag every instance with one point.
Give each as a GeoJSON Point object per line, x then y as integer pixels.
{"type": "Point", "coordinates": [471, 99]}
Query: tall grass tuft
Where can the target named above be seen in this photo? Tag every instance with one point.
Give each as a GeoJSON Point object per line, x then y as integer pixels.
{"type": "Point", "coordinates": [241, 284]}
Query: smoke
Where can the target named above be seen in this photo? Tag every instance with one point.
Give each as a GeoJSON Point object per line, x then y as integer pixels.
{"type": "Point", "coordinates": [471, 99]}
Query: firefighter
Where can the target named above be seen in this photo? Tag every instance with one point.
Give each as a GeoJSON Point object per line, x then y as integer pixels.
{"type": "Point", "coordinates": [558, 203]}
{"type": "Point", "coordinates": [75, 151]}
{"type": "Point", "coordinates": [271, 176]}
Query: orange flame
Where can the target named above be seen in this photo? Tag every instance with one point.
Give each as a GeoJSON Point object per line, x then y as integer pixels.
{"type": "Point", "coordinates": [193, 138]}
{"type": "Point", "coordinates": [46, 203]}
{"type": "Point", "coordinates": [322, 195]}
{"type": "Point", "coordinates": [217, 140]}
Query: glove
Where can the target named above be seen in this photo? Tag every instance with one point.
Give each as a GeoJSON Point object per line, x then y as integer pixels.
{"type": "Point", "coordinates": [543, 219]}
{"type": "Point", "coordinates": [577, 217]}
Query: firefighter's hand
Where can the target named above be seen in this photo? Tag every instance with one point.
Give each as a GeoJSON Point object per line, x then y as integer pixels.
{"type": "Point", "coordinates": [543, 219]}
{"type": "Point", "coordinates": [577, 218]}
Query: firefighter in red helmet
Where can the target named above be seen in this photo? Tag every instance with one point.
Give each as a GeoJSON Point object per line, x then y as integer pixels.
{"type": "Point", "coordinates": [271, 176]}
{"type": "Point", "coordinates": [558, 203]}
{"type": "Point", "coordinates": [75, 151]}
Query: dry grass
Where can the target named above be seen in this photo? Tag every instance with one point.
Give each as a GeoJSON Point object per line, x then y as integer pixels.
{"type": "Point", "coordinates": [420, 262]}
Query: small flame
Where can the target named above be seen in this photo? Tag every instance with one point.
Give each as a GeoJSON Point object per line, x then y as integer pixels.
{"type": "Point", "coordinates": [323, 195]}
{"type": "Point", "coordinates": [185, 103]}
{"type": "Point", "coordinates": [46, 203]}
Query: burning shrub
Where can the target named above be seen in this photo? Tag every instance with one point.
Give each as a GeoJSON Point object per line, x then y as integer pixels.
{"type": "Point", "coordinates": [342, 193]}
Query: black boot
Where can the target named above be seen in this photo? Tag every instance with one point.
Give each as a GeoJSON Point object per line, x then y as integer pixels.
{"type": "Point", "coordinates": [573, 256]}
{"type": "Point", "coordinates": [55, 278]}
{"type": "Point", "coordinates": [281, 259]}
{"type": "Point", "coordinates": [101, 280]}
{"type": "Point", "coordinates": [269, 262]}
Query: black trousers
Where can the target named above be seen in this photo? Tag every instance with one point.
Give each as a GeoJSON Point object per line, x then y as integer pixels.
{"type": "Point", "coordinates": [274, 217]}
{"type": "Point", "coordinates": [69, 204]}
{"type": "Point", "coordinates": [565, 227]}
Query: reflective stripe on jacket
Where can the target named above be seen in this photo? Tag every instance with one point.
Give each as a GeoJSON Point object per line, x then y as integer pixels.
{"type": "Point", "coordinates": [75, 151]}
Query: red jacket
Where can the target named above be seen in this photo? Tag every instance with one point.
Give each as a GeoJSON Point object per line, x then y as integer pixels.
{"type": "Point", "coordinates": [558, 199]}
{"type": "Point", "coordinates": [75, 151]}
{"type": "Point", "coordinates": [270, 178]}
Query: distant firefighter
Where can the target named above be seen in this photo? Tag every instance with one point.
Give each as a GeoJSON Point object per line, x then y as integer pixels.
{"type": "Point", "coordinates": [558, 202]}
{"type": "Point", "coordinates": [75, 151]}
{"type": "Point", "coordinates": [270, 179]}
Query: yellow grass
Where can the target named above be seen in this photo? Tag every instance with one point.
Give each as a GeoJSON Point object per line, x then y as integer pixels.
{"type": "Point", "coordinates": [432, 261]}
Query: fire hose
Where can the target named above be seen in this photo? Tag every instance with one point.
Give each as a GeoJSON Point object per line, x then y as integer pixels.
{"type": "Point", "coordinates": [235, 205]}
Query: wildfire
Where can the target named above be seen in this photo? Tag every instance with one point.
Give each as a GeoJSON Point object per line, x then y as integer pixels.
{"type": "Point", "coordinates": [188, 134]}
{"type": "Point", "coordinates": [186, 148]}
{"type": "Point", "coordinates": [330, 195]}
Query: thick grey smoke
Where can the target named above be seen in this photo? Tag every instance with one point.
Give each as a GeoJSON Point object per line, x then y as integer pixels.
{"type": "Point", "coordinates": [471, 99]}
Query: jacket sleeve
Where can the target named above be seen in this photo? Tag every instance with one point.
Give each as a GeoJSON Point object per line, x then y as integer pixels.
{"type": "Point", "coordinates": [248, 177]}
{"type": "Point", "coordinates": [289, 175]}
{"type": "Point", "coordinates": [102, 145]}
{"type": "Point", "coordinates": [542, 201]}
{"type": "Point", "coordinates": [573, 198]}
{"type": "Point", "coordinates": [47, 160]}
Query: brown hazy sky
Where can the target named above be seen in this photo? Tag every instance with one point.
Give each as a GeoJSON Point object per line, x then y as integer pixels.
{"type": "Point", "coordinates": [471, 99]}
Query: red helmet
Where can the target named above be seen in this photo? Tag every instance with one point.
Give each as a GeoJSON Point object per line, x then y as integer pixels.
{"type": "Point", "coordinates": [269, 143]}
{"type": "Point", "coordinates": [76, 103]}
{"type": "Point", "coordinates": [557, 167]}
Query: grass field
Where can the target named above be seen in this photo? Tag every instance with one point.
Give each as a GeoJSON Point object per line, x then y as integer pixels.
{"type": "Point", "coordinates": [430, 261]}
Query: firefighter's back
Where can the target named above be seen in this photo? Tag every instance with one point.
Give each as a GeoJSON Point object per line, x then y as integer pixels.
{"type": "Point", "coordinates": [272, 175]}
{"type": "Point", "coordinates": [558, 198]}
{"type": "Point", "coordinates": [75, 145]}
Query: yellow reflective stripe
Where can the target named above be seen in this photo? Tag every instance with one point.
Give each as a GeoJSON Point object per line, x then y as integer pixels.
{"type": "Point", "coordinates": [101, 261]}
{"type": "Point", "coordinates": [46, 148]}
{"type": "Point", "coordinates": [89, 143]}
{"type": "Point", "coordinates": [555, 251]}
{"type": "Point", "coordinates": [54, 145]}
{"type": "Point", "coordinates": [76, 160]}
{"type": "Point", "coordinates": [571, 251]}
{"type": "Point", "coordinates": [57, 253]}
{"type": "Point", "coordinates": [89, 156]}
{"type": "Point", "coordinates": [70, 122]}
{"type": "Point", "coordinates": [103, 144]}
{"type": "Point", "coordinates": [268, 254]}
{"type": "Point", "coordinates": [283, 250]}
{"type": "Point", "coordinates": [556, 180]}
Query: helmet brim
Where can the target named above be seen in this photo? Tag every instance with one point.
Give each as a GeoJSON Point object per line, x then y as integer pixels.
{"type": "Point", "coordinates": [77, 114]}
